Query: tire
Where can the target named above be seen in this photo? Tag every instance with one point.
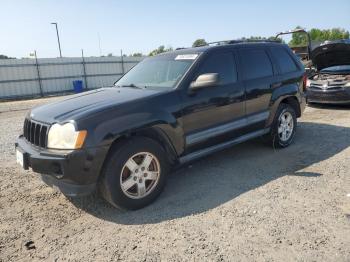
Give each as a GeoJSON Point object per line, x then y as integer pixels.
{"type": "Point", "coordinates": [134, 173]}
{"type": "Point", "coordinates": [282, 134]}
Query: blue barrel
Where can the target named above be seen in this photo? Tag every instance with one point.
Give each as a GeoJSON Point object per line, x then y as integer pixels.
{"type": "Point", "coordinates": [77, 86]}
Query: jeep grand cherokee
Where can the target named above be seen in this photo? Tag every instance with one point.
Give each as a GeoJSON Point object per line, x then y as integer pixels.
{"type": "Point", "coordinates": [168, 110]}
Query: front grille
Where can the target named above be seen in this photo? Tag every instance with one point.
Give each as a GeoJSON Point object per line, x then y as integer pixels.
{"type": "Point", "coordinates": [329, 96]}
{"type": "Point", "coordinates": [35, 133]}
{"type": "Point", "coordinates": [320, 87]}
{"type": "Point", "coordinates": [335, 87]}
{"type": "Point", "coordinates": [316, 87]}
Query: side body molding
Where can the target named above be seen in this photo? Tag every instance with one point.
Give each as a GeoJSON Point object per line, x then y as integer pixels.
{"type": "Point", "coordinates": [225, 128]}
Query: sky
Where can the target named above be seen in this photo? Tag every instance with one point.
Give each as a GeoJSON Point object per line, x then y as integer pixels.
{"type": "Point", "coordinates": [101, 27]}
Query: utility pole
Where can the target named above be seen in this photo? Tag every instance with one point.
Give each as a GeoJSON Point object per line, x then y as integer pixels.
{"type": "Point", "coordinates": [38, 72]}
{"type": "Point", "coordinates": [99, 43]}
{"type": "Point", "coordinates": [58, 39]}
{"type": "Point", "coordinates": [122, 60]}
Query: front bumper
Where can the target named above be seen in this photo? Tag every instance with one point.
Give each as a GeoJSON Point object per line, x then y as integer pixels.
{"type": "Point", "coordinates": [73, 172]}
{"type": "Point", "coordinates": [339, 96]}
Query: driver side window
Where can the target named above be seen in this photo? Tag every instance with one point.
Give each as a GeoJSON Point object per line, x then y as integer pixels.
{"type": "Point", "coordinates": [223, 64]}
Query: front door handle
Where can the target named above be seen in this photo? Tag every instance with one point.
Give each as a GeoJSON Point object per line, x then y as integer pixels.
{"type": "Point", "coordinates": [275, 85]}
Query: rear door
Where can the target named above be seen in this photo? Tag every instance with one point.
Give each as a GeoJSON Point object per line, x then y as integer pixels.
{"type": "Point", "coordinates": [258, 75]}
{"type": "Point", "coordinates": [210, 112]}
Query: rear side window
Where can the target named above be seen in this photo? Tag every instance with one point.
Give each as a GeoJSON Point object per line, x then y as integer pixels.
{"type": "Point", "coordinates": [255, 63]}
{"type": "Point", "coordinates": [223, 64]}
{"type": "Point", "coordinates": [284, 60]}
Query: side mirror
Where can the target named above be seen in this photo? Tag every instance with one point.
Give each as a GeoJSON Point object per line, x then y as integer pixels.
{"type": "Point", "coordinates": [205, 80]}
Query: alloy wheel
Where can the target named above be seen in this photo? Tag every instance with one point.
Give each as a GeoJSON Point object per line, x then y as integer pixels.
{"type": "Point", "coordinates": [285, 126]}
{"type": "Point", "coordinates": [140, 175]}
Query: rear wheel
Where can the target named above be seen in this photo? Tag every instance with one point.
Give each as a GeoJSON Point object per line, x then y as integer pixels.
{"type": "Point", "coordinates": [134, 173]}
{"type": "Point", "coordinates": [284, 126]}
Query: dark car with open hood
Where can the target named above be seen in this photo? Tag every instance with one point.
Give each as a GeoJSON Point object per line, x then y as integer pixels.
{"type": "Point", "coordinates": [168, 110]}
{"type": "Point", "coordinates": [330, 82]}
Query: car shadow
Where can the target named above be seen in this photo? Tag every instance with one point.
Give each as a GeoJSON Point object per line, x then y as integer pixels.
{"type": "Point", "coordinates": [219, 178]}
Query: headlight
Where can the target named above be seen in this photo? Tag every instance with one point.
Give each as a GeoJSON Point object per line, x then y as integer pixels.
{"type": "Point", "coordinates": [347, 84]}
{"type": "Point", "coordinates": [65, 137]}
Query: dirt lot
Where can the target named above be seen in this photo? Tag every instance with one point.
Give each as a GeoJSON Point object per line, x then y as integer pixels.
{"type": "Point", "coordinates": [246, 203]}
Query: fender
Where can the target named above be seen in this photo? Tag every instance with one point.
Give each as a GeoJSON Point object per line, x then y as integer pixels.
{"type": "Point", "coordinates": [106, 132]}
{"type": "Point", "coordinates": [278, 95]}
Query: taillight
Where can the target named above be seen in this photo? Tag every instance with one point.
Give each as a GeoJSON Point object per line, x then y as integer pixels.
{"type": "Point", "coordinates": [304, 82]}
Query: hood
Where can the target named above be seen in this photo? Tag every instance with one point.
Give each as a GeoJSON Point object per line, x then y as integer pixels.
{"type": "Point", "coordinates": [80, 105]}
{"type": "Point", "coordinates": [331, 53]}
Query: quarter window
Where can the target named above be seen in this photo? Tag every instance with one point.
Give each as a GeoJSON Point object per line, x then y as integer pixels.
{"type": "Point", "coordinates": [255, 63]}
{"type": "Point", "coordinates": [284, 60]}
{"type": "Point", "coordinates": [223, 64]}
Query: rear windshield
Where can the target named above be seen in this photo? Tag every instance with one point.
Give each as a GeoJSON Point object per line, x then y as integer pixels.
{"type": "Point", "coordinates": [161, 72]}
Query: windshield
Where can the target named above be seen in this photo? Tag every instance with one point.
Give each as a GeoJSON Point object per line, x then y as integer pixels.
{"type": "Point", "coordinates": [341, 68]}
{"type": "Point", "coordinates": [162, 71]}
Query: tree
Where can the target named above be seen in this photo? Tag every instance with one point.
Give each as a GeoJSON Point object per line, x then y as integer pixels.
{"type": "Point", "coordinates": [299, 39]}
{"type": "Point", "coordinates": [159, 50]}
{"type": "Point", "coordinates": [137, 54]}
{"type": "Point", "coordinates": [270, 38]}
{"type": "Point", "coordinates": [262, 38]}
{"type": "Point", "coordinates": [110, 54]}
{"type": "Point", "coordinates": [6, 57]}
{"type": "Point", "coordinates": [278, 39]}
{"type": "Point", "coordinates": [199, 42]}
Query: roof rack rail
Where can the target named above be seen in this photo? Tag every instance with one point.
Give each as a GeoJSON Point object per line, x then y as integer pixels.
{"type": "Point", "coordinates": [223, 42]}
{"type": "Point", "coordinates": [254, 41]}
{"type": "Point", "coordinates": [237, 41]}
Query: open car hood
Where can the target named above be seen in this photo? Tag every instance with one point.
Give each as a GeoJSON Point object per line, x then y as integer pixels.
{"type": "Point", "coordinates": [331, 53]}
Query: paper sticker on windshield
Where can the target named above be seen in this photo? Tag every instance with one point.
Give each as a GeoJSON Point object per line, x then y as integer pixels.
{"type": "Point", "coordinates": [186, 57]}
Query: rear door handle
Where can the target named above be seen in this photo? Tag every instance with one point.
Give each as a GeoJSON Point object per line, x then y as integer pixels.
{"type": "Point", "coordinates": [275, 85]}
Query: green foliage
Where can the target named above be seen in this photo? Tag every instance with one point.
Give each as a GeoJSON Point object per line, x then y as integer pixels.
{"type": "Point", "coordinates": [160, 50]}
{"type": "Point", "coordinates": [6, 57]}
{"type": "Point", "coordinates": [137, 54]}
{"type": "Point", "coordinates": [253, 38]}
{"type": "Point", "coordinates": [278, 39]}
{"type": "Point", "coordinates": [300, 39]}
{"type": "Point", "coordinates": [199, 42]}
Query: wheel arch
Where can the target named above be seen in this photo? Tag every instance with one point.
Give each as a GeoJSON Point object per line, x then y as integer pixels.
{"type": "Point", "coordinates": [291, 100]}
{"type": "Point", "coordinates": [155, 133]}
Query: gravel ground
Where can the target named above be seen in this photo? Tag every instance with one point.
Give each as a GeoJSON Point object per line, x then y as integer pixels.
{"type": "Point", "coordinates": [246, 203]}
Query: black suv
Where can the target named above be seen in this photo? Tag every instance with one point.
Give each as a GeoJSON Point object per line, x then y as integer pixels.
{"type": "Point", "coordinates": [168, 110]}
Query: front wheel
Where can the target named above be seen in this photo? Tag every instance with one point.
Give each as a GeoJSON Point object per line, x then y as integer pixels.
{"type": "Point", "coordinates": [284, 126]}
{"type": "Point", "coordinates": [134, 174]}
